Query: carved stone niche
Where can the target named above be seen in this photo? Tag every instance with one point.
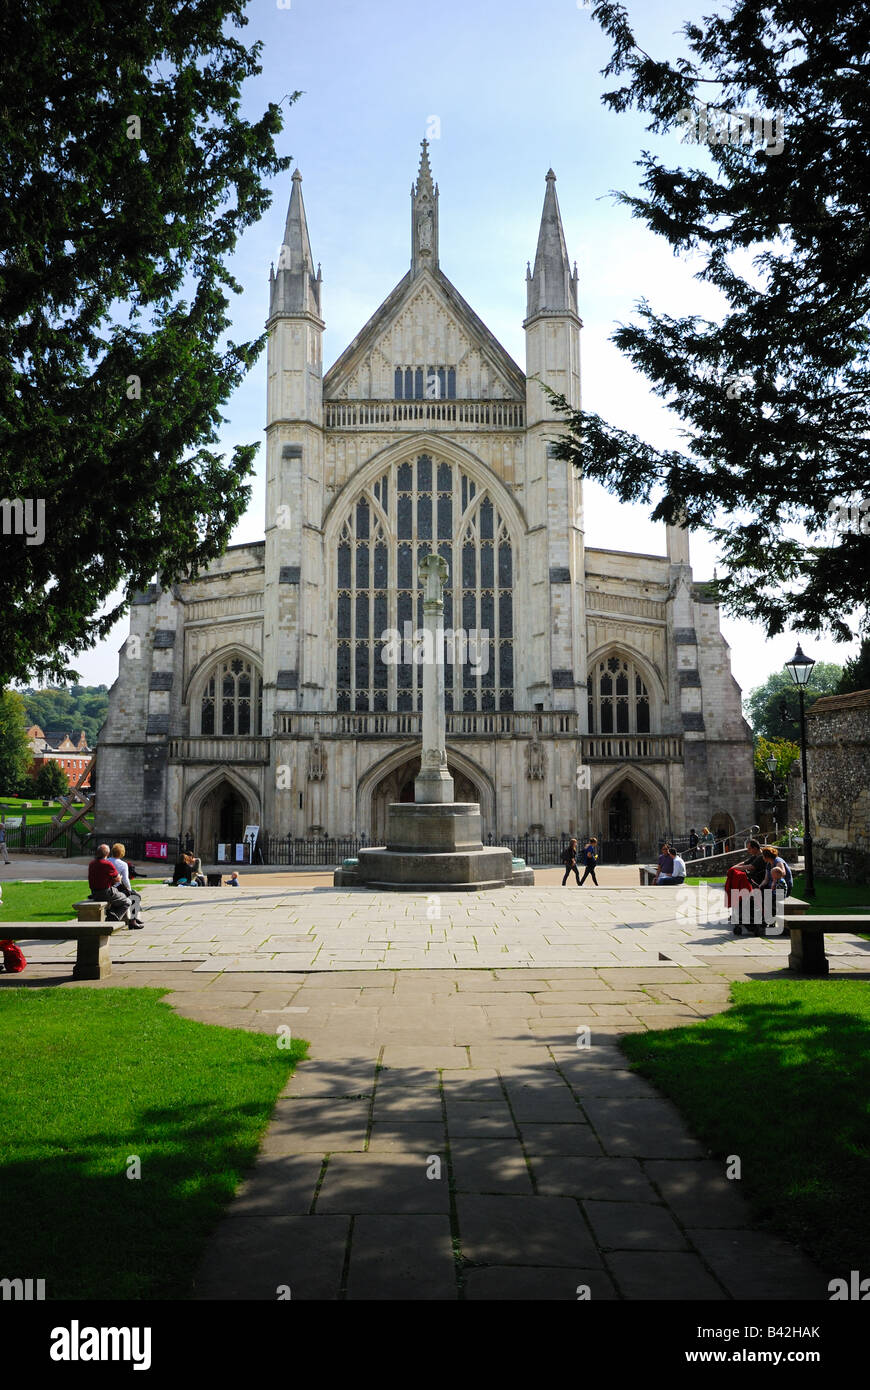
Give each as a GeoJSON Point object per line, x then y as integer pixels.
{"type": "Point", "coordinates": [316, 758]}
{"type": "Point", "coordinates": [536, 761]}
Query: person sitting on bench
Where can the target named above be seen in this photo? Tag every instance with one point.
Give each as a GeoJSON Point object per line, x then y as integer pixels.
{"type": "Point", "coordinates": [105, 886]}
{"type": "Point", "coordinates": [117, 859]}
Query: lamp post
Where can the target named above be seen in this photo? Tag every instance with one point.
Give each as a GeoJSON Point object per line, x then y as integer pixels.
{"type": "Point", "coordinates": [800, 669]}
{"type": "Point", "coordinates": [771, 768]}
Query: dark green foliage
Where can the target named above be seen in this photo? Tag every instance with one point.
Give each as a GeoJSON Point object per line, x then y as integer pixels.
{"type": "Point", "coordinates": [15, 753]}
{"type": "Point", "coordinates": [51, 781]}
{"type": "Point", "coordinates": [68, 708]}
{"type": "Point", "coordinates": [773, 709]}
{"type": "Point", "coordinates": [856, 672]}
{"type": "Point", "coordinates": [114, 266]}
{"type": "Point", "coordinates": [796, 440]}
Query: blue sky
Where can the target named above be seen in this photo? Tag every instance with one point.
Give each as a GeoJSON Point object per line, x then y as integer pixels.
{"type": "Point", "coordinates": [515, 88]}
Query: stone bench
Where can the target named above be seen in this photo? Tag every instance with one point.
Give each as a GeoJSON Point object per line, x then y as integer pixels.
{"type": "Point", "coordinates": [807, 955]}
{"type": "Point", "coordinates": [92, 962]}
{"type": "Point", "coordinates": [89, 911]}
{"type": "Point", "coordinates": [647, 873]}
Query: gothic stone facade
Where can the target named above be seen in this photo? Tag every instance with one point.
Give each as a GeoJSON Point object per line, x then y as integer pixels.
{"type": "Point", "coordinates": [590, 690]}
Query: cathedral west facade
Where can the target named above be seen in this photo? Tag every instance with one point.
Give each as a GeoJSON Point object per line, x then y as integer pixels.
{"type": "Point", "coordinates": [588, 690]}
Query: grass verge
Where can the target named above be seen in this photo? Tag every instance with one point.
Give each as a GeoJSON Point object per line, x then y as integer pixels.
{"type": "Point", "coordinates": [96, 1077]}
{"type": "Point", "coordinates": [49, 901]}
{"type": "Point", "coordinates": [782, 1080]}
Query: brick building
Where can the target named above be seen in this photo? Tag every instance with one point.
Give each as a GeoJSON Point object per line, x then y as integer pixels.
{"type": "Point", "coordinates": [69, 750]}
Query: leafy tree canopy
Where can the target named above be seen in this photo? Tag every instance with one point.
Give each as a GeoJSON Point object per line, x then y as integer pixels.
{"type": "Point", "coordinates": [772, 400]}
{"type": "Point", "coordinates": [15, 754]}
{"type": "Point", "coordinates": [126, 178]}
{"type": "Point", "coordinates": [856, 672]}
{"type": "Point", "coordinates": [786, 753]}
{"type": "Point", "coordinates": [67, 708]}
{"type": "Point", "coordinates": [51, 781]}
{"type": "Point", "coordinates": [773, 709]}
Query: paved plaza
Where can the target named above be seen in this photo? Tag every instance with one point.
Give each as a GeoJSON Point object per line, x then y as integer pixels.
{"type": "Point", "coordinates": [447, 1138]}
{"type": "Point", "coordinates": [286, 928]}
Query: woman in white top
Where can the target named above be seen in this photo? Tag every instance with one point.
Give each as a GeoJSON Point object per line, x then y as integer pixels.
{"type": "Point", "coordinates": [117, 858]}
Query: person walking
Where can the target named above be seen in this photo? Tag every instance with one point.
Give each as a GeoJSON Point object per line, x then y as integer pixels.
{"type": "Point", "coordinates": [693, 842]}
{"type": "Point", "coordinates": [590, 857]}
{"type": "Point", "coordinates": [3, 850]}
{"type": "Point", "coordinates": [569, 859]}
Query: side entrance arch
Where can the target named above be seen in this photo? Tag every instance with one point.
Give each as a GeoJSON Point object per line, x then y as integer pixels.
{"type": "Point", "coordinates": [217, 810]}
{"type": "Point", "coordinates": [629, 805]}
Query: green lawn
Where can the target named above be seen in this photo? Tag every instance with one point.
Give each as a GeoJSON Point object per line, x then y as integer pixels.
{"type": "Point", "coordinates": [782, 1080]}
{"type": "Point", "coordinates": [49, 901]}
{"type": "Point", "coordinates": [37, 814]}
{"type": "Point", "coordinates": [93, 1078]}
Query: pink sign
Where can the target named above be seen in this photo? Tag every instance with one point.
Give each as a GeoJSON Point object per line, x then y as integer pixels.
{"type": "Point", "coordinates": [156, 849]}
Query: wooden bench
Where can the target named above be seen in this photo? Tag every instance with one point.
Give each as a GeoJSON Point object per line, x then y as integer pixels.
{"type": "Point", "coordinates": [807, 955]}
{"type": "Point", "coordinates": [93, 961]}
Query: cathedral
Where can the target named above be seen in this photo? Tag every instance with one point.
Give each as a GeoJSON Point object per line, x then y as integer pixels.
{"type": "Point", "coordinates": [586, 690]}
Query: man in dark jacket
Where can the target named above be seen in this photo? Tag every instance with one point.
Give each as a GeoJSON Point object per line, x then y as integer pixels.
{"type": "Point", "coordinates": [569, 859]}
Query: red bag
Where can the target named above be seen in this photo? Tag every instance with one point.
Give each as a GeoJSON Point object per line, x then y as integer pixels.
{"type": "Point", "coordinates": [13, 957]}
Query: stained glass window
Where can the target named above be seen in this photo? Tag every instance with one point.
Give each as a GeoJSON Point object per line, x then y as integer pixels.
{"type": "Point", "coordinates": [431, 505]}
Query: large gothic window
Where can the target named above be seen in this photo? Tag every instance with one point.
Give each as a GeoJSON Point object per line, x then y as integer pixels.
{"type": "Point", "coordinates": [232, 699]}
{"type": "Point", "coordinates": [618, 698]}
{"type": "Point", "coordinates": [420, 506]}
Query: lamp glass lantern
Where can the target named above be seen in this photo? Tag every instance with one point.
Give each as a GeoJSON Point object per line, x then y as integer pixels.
{"type": "Point", "coordinates": [800, 668]}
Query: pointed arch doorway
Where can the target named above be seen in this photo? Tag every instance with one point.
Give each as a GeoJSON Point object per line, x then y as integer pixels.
{"type": "Point", "coordinates": [219, 816]}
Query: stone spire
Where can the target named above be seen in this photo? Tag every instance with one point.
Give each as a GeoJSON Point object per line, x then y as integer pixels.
{"type": "Point", "coordinates": [551, 288]}
{"type": "Point", "coordinates": [295, 289]}
{"type": "Point", "coordinates": [424, 217]}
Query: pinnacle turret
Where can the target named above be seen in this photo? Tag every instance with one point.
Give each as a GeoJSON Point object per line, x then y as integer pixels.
{"type": "Point", "coordinates": [424, 217]}
{"type": "Point", "coordinates": [551, 288]}
{"type": "Point", "coordinates": [295, 289]}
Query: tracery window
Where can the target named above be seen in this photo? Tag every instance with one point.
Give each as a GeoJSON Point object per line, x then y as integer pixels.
{"type": "Point", "coordinates": [618, 698]}
{"type": "Point", "coordinates": [232, 699]}
{"type": "Point", "coordinates": [415, 508]}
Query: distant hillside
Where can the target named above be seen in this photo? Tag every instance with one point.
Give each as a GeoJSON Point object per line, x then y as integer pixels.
{"type": "Point", "coordinates": [68, 708]}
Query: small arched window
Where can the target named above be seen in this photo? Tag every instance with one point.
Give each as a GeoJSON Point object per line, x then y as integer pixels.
{"type": "Point", "coordinates": [232, 699]}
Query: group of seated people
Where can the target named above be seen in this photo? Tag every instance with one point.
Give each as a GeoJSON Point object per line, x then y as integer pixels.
{"type": "Point", "coordinates": [110, 876]}
{"type": "Point", "coordinates": [188, 869]}
{"type": "Point", "coordinates": [756, 888]}
{"type": "Point", "coordinates": [672, 866]}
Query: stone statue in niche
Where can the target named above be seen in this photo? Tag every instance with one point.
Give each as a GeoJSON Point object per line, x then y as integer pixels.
{"type": "Point", "coordinates": [424, 231]}
{"type": "Point", "coordinates": [316, 758]}
{"type": "Point", "coordinates": [537, 761]}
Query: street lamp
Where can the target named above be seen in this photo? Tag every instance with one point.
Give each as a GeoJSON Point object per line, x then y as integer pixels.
{"type": "Point", "coordinates": [771, 768]}
{"type": "Point", "coordinates": [800, 669]}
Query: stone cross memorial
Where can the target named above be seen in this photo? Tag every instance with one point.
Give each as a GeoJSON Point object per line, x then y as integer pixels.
{"type": "Point", "coordinates": [436, 841]}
